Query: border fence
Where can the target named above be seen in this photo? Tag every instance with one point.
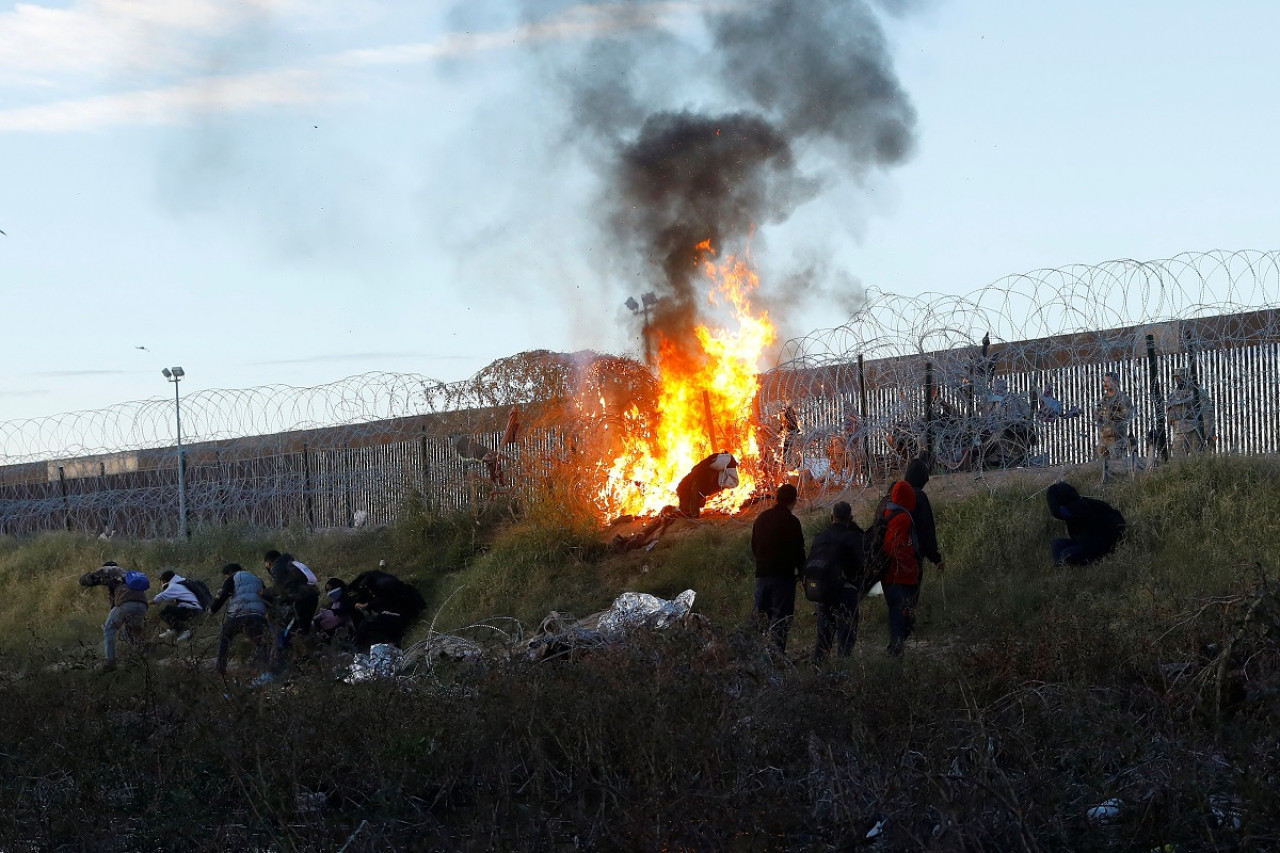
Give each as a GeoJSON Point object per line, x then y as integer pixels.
{"type": "Point", "coordinates": [903, 376]}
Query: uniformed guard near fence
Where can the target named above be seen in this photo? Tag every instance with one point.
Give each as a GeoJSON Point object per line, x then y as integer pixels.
{"type": "Point", "coordinates": [1113, 414]}
{"type": "Point", "coordinates": [1190, 414]}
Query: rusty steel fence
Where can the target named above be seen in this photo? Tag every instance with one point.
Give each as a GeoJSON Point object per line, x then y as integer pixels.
{"type": "Point", "coordinates": [940, 374]}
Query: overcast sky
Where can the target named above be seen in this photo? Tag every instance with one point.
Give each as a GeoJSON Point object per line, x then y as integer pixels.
{"type": "Point", "coordinates": [297, 191]}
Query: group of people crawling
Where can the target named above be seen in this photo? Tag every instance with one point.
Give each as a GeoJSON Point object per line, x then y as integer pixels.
{"type": "Point", "coordinates": [375, 607]}
{"type": "Point", "coordinates": [892, 552]}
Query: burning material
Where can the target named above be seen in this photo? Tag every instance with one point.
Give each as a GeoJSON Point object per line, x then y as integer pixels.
{"type": "Point", "coordinates": [708, 382]}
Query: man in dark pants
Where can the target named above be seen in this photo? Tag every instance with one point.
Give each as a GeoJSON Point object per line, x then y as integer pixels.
{"type": "Point", "coordinates": [917, 475]}
{"type": "Point", "coordinates": [246, 614]}
{"type": "Point", "coordinates": [1094, 527]}
{"type": "Point", "coordinates": [777, 543]}
{"type": "Point", "coordinates": [840, 544]}
{"type": "Point", "coordinates": [294, 589]}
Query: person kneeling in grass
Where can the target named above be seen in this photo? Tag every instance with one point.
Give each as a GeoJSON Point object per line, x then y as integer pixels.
{"type": "Point", "coordinates": [180, 606]}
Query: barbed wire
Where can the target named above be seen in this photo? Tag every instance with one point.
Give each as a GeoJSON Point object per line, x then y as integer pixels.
{"type": "Point", "coordinates": [905, 375]}
{"type": "Point", "coordinates": [1049, 303]}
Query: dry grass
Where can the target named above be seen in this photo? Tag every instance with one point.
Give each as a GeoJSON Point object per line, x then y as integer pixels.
{"type": "Point", "coordinates": [1033, 694]}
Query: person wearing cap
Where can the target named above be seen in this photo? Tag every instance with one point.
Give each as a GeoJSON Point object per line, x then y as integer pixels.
{"type": "Point", "coordinates": [840, 544]}
{"type": "Point", "coordinates": [1112, 416]}
{"type": "Point", "coordinates": [777, 544]}
{"type": "Point", "coordinates": [1190, 414]}
{"type": "Point", "coordinates": [180, 606]}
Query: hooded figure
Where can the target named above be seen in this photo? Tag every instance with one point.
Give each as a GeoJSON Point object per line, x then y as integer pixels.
{"type": "Point", "coordinates": [901, 583]}
{"type": "Point", "coordinates": [917, 474]}
{"type": "Point", "coordinates": [1094, 527]}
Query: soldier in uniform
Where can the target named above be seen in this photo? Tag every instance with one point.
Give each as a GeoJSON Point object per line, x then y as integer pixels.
{"type": "Point", "coordinates": [1112, 415]}
{"type": "Point", "coordinates": [1190, 414]}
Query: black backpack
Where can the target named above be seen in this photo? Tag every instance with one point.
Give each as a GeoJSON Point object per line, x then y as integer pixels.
{"type": "Point", "coordinates": [200, 590]}
{"type": "Point", "coordinates": [823, 579]}
{"type": "Point", "coordinates": [823, 575]}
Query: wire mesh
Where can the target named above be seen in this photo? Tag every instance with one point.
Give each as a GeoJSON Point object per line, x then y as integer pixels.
{"type": "Point", "coordinates": [1009, 375]}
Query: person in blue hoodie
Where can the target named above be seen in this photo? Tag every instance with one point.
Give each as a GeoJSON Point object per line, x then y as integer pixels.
{"type": "Point", "coordinates": [1094, 527]}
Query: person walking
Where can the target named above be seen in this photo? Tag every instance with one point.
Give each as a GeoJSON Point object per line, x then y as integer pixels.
{"type": "Point", "coordinates": [840, 545]}
{"type": "Point", "coordinates": [128, 599]}
{"type": "Point", "coordinates": [777, 544]}
{"type": "Point", "coordinates": [246, 614]}
{"type": "Point", "coordinates": [901, 582]}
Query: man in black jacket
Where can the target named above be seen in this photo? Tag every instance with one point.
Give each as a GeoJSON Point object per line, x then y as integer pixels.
{"type": "Point", "coordinates": [293, 590]}
{"type": "Point", "coordinates": [917, 475]}
{"type": "Point", "coordinates": [777, 543]}
{"type": "Point", "coordinates": [840, 544]}
{"type": "Point", "coordinates": [389, 607]}
{"type": "Point", "coordinates": [1094, 527]}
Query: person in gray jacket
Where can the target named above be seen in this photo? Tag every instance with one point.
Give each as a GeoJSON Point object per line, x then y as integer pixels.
{"type": "Point", "coordinates": [246, 614]}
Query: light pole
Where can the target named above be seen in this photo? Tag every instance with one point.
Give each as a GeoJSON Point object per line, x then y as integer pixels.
{"type": "Point", "coordinates": [175, 375]}
{"type": "Point", "coordinates": [646, 304]}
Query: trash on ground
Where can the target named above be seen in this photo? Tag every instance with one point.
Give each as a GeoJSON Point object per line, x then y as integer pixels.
{"type": "Point", "coordinates": [382, 661]}
{"type": "Point", "coordinates": [1106, 812]}
{"type": "Point", "coordinates": [560, 633]}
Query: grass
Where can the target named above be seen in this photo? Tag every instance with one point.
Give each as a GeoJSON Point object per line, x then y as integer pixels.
{"type": "Point", "coordinates": [1033, 694]}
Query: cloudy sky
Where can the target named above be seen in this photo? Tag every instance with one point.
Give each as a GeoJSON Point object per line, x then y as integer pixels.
{"type": "Point", "coordinates": [297, 191]}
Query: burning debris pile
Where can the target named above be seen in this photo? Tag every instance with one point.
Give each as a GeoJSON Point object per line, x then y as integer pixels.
{"type": "Point", "coordinates": [776, 102]}
{"type": "Point", "coordinates": [688, 191]}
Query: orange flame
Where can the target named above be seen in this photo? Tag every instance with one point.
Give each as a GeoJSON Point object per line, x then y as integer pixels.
{"type": "Point", "coordinates": [706, 403]}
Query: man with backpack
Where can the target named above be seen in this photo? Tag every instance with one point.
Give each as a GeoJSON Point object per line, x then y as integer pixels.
{"type": "Point", "coordinates": [833, 577]}
{"type": "Point", "coordinates": [777, 543]}
{"type": "Point", "coordinates": [901, 578]}
{"type": "Point", "coordinates": [1094, 527]}
{"type": "Point", "coordinates": [126, 590]}
{"type": "Point", "coordinates": [181, 603]}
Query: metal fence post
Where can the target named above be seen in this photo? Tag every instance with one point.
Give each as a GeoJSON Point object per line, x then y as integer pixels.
{"type": "Point", "coordinates": [1157, 396]}
{"type": "Point", "coordinates": [66, 501]}
{"type": "Point", "coordinates": [866, 442]}
{"type": "Point", "coordinates": [307, 505]}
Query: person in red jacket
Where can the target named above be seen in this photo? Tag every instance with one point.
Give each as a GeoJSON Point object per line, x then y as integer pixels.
{"type": "Point", "coordinates": [901, 582]}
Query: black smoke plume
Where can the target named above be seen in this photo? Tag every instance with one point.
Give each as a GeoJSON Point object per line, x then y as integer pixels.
{"type": "Point", "coordinates": [787, 89]}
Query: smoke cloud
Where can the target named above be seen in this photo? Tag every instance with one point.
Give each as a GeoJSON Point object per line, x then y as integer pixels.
{"type": "Point", "coordinates": [777, 93]}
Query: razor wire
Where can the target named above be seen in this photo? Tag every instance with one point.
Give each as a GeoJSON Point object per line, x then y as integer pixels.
{"type": "Point", "coordinates": [904, 375]}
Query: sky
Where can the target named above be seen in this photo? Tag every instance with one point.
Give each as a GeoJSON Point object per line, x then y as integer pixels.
{"type": "Point", "coordinates": [290, 192]}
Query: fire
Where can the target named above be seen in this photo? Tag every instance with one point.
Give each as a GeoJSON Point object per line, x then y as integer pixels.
{"type": "Point", "coordinates": [705, 404]}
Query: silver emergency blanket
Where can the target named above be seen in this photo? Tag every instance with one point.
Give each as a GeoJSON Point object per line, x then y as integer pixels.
{"type": "Point", "coordinates": [634, 609]}
{"type": "Point", "coordinates": [383, 661]}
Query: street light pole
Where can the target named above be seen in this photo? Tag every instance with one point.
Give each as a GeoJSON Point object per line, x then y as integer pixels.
{"type": "Point", "coordinates": [642, 308]}
{"type": "Point", "coordinates": [175, 375]}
